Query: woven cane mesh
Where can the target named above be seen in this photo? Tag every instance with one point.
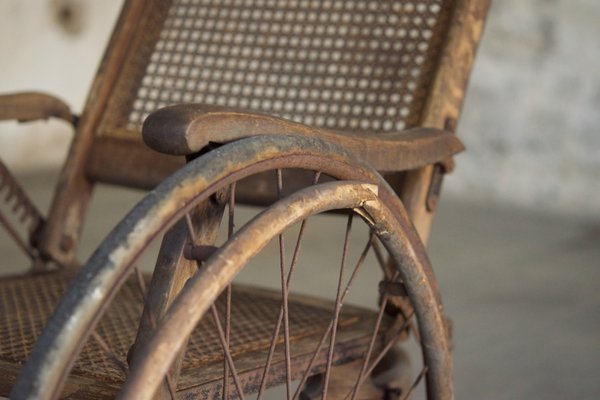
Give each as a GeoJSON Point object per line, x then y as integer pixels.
{"type": "Point", "coordinates": [340, 64]}
{"type": "Point", "coordinates": [27, 302]}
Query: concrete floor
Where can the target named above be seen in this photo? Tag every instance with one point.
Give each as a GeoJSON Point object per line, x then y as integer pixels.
{"type": "Point", "coordinates": [523, 290]}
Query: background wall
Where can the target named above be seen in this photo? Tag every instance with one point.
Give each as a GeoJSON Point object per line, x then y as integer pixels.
{"type": "Point", "coordinates": [52, 46]}
{"type": "Point", "coordinates": [531, 121]}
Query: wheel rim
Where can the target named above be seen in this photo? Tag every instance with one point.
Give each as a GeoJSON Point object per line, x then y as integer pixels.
{"type": "Point", "coordinates": [54, 355]}
{"type": "Point", "coordinates": [202, 290]}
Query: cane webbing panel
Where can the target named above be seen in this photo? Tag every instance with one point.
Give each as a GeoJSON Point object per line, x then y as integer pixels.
{"type": "Point", "coordinates": [341, 64]}
{"type": "Point", "coordinates": [27, 302]}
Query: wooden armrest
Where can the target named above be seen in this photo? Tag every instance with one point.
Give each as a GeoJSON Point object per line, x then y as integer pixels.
{"type": "Point", "coordinates": [30, 106]}
{"type": "Point", "coordinates": [187, 129]}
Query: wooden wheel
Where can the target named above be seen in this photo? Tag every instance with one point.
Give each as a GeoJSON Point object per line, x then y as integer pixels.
{"type": "Point", "coordinates": [214, 178]}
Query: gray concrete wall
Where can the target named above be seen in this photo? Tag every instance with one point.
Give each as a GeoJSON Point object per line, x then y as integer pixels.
{"type": "Point", "coordinates": [530, 122]}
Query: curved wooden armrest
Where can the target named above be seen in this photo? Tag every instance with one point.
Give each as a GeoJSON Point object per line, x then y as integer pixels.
{"type": "Point", "coordinates": [30, 106]}
{"type": "Point", "coordinates": [186, 129]}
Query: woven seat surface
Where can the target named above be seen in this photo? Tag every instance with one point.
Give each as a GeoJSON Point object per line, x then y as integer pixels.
{"type": "Point", "coordinates": [28, 301]}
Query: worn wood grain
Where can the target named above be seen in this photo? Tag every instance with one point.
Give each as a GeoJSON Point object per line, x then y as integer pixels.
{"type": "Point", "coordinates": [446, 96]}
{"type": "Point", "coordinates": [189, 128]}
{"type": "Point", "coordinates": [30, 106]}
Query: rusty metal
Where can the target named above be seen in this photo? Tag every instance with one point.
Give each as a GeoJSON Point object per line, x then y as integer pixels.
{"type": "Point", "coordinates": [111, 354]}
{"type": "Point", "coordinates": [23, 209]}
{"type": "Point", "coordinates": [338, 305]}
{"type": "Point", "coordinates": [197, 296]}
{"type": "Point", "coordinates": [425, 299]}
{"type": "Point", "coordinates": [150, 219]}
{"type": "Point", "coordinates": [309, 368]}
{"type": "Point", "coordinates": [228, 359]}
{"type": "Point", "coordinates": [390, 343]}
{"type": "Point", "coordinates": [392, 288]}
{"type": "Point", "coordinates": [356, 73]}
{"type": "Point", "coordinates": [230, 229]}
{"type": "Point", "coordinates": [363, 368]}
{"type": "Point", "coordinates": [284, 296]}
{"type": "Point", "coordinates": [281, 312]}
{"type": "Point", "coordinates": [415, 383]}
{"type": "Point", "coordinates": [293, 208]}
{"type": "Point", "coordinates": [191, 185]}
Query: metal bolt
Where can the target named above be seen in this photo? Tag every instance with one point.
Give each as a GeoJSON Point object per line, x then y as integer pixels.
{"type": "Point", "coordinates": [220, 197]}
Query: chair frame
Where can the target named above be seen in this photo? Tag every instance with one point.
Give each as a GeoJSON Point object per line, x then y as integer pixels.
{"type": "Point", "coordinates": [89, 157]}
{"type": "Point", "coordinates": [419, 189]}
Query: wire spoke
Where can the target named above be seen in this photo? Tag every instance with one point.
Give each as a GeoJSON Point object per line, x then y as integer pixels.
{"type": "Point", "coordinates": [230, 228]}
{"type": "Point", "coordinates": [389, 345]}
{"type": "Point", "coordinates": [122, 365]}
{"type": "Point", "coordinates": [227, 353]}
{"type": "Point", "coordinates": [338, 305]}
{"type": "Point", "coordinates": [381, 354]}
{"type": "Point", "coordinates": [363, 368]}
{"type": "Point", "coordinates": [284, 298]}
{"type": "Point", "coordinates": [288, 284]}
{"type": "Point", "coordinates": [357, 268]}
{"type": "Point", "coordinates": [316, 177]}
{"type": "Point", "coordinates": [190, 228]}
{"type": "Point", "coordinates": [281, 311]}
{"type": "Point", "coordinates": [141, 284]}
{"type": "Point", "coordinates": [415, 383]}
{"type": "Point", "coordinates": [370, 348]}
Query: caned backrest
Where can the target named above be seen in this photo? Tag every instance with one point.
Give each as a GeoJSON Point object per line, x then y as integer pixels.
{"type": "Point", "coordinates": [341, 64]}
{"type": "Point", "coordinates": [352, 65]}
{"type": "Point", "coordinates": [349, 65]}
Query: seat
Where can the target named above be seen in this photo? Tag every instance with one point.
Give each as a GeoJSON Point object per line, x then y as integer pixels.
{"type": "Point", "coordinates": [96, 375]}
{"type": "Point", "coordinates": [312, 110]}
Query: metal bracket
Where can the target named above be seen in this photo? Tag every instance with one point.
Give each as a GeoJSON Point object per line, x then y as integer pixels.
{"type": "Point", "coordinates": [392, 288]}
{"type": "Point", "coordinates": [199, 253]}
{"type": "Point", "coordinates": [24, 212]}
{"type": "Point", "coordinates": [439, 169]}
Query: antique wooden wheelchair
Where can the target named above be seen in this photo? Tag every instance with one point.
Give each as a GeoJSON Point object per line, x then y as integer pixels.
{"type": "Point", "coordinates": [296, 108]}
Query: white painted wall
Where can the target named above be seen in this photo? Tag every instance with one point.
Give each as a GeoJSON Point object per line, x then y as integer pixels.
{"type": "Point", "coordinates": [531, 120]}
{"type": "Point", "coordinates": [38, 53]}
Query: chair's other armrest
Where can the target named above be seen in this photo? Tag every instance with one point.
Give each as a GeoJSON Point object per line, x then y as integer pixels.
{"type": "Point", "coordinates": [186, 129]}
{"type": "Point", "coordinates": [30, 106]}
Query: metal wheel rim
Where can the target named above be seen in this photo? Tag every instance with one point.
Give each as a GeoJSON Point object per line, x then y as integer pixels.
{"type": "Point", "coordinates": [47, 368]}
